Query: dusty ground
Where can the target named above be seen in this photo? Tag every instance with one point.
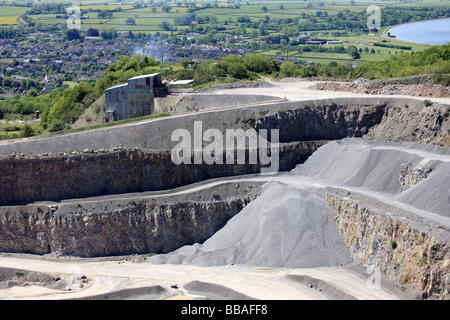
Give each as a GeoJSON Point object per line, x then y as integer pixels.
{"type": "Point", "coordinates": [259, 283]}
{"type": "Point", "coordinates": [298, 89]}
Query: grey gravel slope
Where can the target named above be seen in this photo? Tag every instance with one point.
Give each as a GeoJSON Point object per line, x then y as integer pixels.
{"type": "Point", "coordinates": [287, 227]}
{"type": "Point", "coordinates": [291, 225]}
{"type": "Point", "coordinates": [415, 174]}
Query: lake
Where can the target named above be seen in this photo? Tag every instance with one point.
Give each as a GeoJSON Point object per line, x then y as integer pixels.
{"type": "Point", "coordinates": [428, 32]}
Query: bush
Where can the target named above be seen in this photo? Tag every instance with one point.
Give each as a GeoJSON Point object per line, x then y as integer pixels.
{"type": "Point", "coordinates": [27, 131]}
{"type": "Point", "coordinates": [57, 126]}
{"type": "Point", "coordinates": [288, 69]}
{"type": "Point", "coordinates": [237, 71]}
{"type": "Point", "coordinates": [442, 79]}
{"type": "Point", "coordinates": [215, 195]}
{"type": "Point", "coordinates": [427, 103]}
{"type": "Point", "coordinates": [11, 128]}
{"type": "Point", "coordinates": [394, 244]}
{"type": "Point", "coordinates": [258, 63]}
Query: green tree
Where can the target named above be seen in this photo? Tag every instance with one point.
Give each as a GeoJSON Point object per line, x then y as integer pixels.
{"type": "Point", "coordinates": [27, 131]}
{"type": "Point", "coordinates": [92, 33]}
{"type": "Point", "coordinates": [258, 63]}
{"type": "Point", "coordinates": [164, 25]}
{"type": "Point", "coordinates": [7, 82]}
{"type": "Point", "coordinates": [130, 21]}
{"type": "Point", "coordinates": [166, 8]}
{"type": "Point", "coordinates": [288, 69]}
{"type": "Point", "coordinates": [352, 51]}
{"type": "Point", "coordinates": [73, 34]}
{"type": "Point", "coordinates": [104, 14]}
{"type": "Point", "coordinates": [68, 107]}
{"type": "Point", "coordinates": [237, 70]}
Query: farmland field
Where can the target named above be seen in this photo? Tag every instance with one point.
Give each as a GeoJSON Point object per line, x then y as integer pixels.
{"type": "Point", "coordinates": [9, 15]}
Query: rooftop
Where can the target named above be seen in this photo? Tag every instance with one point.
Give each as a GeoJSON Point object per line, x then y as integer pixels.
{"type": "Point", "coordinates": [118, 86]}
{"type": "Point", "coordinates": [180, 82]}
{"type": "Point", "coordinates": [144, 76]}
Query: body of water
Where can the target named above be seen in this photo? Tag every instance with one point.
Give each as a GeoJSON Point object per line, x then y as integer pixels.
{"type": "Point", "coordinates": [428, 32]}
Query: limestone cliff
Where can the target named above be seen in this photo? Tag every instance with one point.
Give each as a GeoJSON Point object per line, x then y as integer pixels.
{"type": "Point", "coordinates": [24, 178]}
{"type": "Point", "coordinates": [109, 228]}
{"type": "Point", "coordinates": [413, 258]}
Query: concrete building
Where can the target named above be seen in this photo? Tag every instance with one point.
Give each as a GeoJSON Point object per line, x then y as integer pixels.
{"type": "Point", "coordinates": [335, 42]}
{"type": "Point", "coordinates": [134, 99]}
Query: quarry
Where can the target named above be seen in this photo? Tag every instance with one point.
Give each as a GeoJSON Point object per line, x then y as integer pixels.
{"type": "Point", "coordinates": [359, 207]}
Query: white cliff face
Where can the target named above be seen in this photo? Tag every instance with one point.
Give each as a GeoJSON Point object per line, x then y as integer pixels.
{"type": "Point", "coordinates": [116, 227]}
{"type": "Point", "coordinates": [414, 259]}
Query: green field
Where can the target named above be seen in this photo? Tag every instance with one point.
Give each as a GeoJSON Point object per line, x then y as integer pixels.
{"type": "Point", "coordinates": [9, 15]}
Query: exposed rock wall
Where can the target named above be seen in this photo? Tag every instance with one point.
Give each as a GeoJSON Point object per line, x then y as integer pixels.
{"type": "Point", "coordinates": [25, 179]}
{"type": "Point", "coordinates": [387, 88]}
{"type": "Point", "coordinates": [132, 227]}
{"type": "Point", "coordinates": [413, 258]}
{"type": "Point", "coordinates": [331, 121]}
{"type": "Point", "coordinates": [421, 123]}
{"type": "Point", "coordinates": [321, 119]}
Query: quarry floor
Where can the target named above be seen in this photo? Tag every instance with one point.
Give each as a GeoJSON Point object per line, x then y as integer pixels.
{"type": "Point", "coordinates": [258, 283]}
{"type": "Point", "coordinates": [298, 89]}
{"type": "Point", "coordinates": [115, 274]}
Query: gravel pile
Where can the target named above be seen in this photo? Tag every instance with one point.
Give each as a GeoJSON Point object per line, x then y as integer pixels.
{"type": "Point", "coordinates": [291, 225]}
{"type": "Point", "coordinates": [284, 227]}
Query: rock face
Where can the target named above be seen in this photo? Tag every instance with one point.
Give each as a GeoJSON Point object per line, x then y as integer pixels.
{"type": "Point", "coordinates": [134, 226]}
{"type": "Point", "coordinates": [410, 87]}
{"type": "Point", "coordinates": [411, 175]}
{"type": "Point", "coordinates": [296, 120]}
{"type": "Point", "coordinates": [416, 259]}
{"type": "Point", "coordinates": [331, 121]}
{"type": "Point", "coordinates": [425, 124]}
{"type": "Point", "coordinates": [412, 258]}
{"type": "Point", "coordinates": [57, 177]}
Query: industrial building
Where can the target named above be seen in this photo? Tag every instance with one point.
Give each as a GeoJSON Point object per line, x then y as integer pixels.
{"type": "Point", "coordinates": [134, 99]}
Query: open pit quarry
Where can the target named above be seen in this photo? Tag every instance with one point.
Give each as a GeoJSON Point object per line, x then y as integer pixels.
{"type": "Point", "coordinates": [359, 207]}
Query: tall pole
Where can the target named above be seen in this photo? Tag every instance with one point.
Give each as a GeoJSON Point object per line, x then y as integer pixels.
{"type": "Point", "coordinates": [162, 55]}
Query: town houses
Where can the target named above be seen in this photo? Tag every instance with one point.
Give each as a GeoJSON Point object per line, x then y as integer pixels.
{"type": "Point", "coordinates": [49, 61]}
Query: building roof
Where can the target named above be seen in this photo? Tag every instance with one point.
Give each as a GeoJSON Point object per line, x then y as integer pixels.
{"type": "Point", "coordinates": [180, 82]}
{"type": "Point", "coordinates": [144, 76]}
{"type": "Point", "coordinates": [134, 78]}
{"type": "Point", "coordinates": [118, 86]}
